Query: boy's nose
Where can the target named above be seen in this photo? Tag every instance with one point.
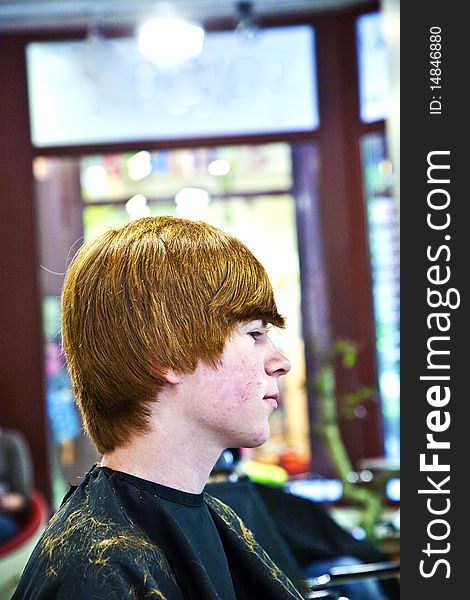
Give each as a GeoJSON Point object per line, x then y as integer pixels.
{"type": "Point", "coordinates": [277, 364]}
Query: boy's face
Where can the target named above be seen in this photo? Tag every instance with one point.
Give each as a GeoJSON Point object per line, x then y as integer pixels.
{"type": "Point", "coordinates": [233, 402]}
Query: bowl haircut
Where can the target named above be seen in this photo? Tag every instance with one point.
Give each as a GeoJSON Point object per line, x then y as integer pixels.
{"type": "Point", "coordinates": [159, 293]}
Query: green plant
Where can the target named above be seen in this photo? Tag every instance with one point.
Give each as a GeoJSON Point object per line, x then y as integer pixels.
{"type": "Point", "coordinates": [327, 428]}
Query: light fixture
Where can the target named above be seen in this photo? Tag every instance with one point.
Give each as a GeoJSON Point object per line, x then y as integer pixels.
{"type": "Point", "coordinates": [170, 40]}
{"type": "Point", "coordinates": [247, 25]}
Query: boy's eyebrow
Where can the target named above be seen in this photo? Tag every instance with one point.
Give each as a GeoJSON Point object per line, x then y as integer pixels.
{"type": "Point", "coordinates": [249, 323]}
{"type": "Point", "coordinates": [261, 323]}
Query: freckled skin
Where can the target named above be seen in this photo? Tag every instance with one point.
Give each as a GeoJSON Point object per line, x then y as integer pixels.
{"type": "Point", "coordinates": [228, 401]}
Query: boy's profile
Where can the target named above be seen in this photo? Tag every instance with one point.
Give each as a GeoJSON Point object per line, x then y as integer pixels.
{"type": "Point", "coordinates": [164, 328]}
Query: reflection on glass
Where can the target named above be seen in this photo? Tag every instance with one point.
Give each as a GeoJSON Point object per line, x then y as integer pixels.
{"type": "Point", "coordinates": [383, 238]}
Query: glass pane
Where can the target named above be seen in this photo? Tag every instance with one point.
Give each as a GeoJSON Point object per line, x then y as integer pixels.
{"type": "Point", "coordinates": [105, 90]}
{"type": "Point", "coordinates": [383, 238]}
{"type": "Point", "coordinates": [71, 208]}
{"type": "Point", "coordinates": [160, 174]}
{"type": "Point", "coordinates": [373, 66]}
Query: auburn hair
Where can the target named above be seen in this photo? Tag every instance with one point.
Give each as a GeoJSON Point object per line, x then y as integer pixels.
{"type": "Point", "coordinates": [159, 293]}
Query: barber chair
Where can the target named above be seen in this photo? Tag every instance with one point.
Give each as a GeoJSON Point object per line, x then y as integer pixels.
{"type": "Point", "coordinates": [323, 586]}
{"type": "Point", "coordinates": [296, 531]}
{"type": "Point", "coordinates": [14, 553]}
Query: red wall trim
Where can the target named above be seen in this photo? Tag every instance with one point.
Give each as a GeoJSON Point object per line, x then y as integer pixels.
{"type": "Point", "coordinates": [21, 385]}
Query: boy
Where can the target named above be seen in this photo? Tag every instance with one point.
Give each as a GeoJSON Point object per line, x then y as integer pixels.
{"type": "Point", "coordinates": [164, 328]}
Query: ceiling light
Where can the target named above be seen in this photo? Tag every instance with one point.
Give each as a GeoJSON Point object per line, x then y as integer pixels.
{"type": "Point", "coordinates": [167, 40]}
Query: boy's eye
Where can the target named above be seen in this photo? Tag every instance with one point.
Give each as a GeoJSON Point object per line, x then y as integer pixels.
{"type": "Point", "coordinates": [259, 333]}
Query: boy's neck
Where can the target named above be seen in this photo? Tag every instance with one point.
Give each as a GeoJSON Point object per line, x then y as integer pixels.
{"type": "Point", "coordinates": [171, 455]}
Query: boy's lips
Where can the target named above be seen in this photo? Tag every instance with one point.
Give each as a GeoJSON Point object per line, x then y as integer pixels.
{"type": "Point", "coordinates": [272, 400]}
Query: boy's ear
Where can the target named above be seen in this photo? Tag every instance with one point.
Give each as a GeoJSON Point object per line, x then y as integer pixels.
{"type": "Point", "coordinates": [172, 377]}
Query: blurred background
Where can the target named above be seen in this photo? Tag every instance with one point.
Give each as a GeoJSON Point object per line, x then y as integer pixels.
{"type": "Point", "coordinates": [274, 120]}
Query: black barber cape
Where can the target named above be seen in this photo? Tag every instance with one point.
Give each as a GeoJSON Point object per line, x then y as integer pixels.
{"type": "Point", "coordinates": [117, 536]}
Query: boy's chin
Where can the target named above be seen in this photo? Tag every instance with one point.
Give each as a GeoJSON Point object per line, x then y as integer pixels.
{"type": "Point", "coordinates": [256, 440]}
